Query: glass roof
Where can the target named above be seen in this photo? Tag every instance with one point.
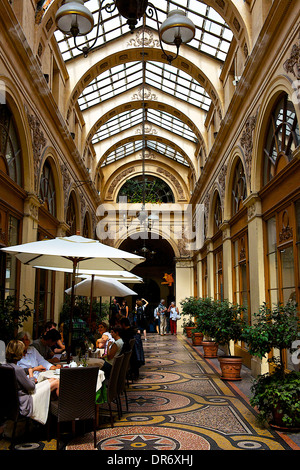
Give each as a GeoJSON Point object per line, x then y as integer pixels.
{"type": "Point", "coordinates": [129, 119]}
{"type": "Point", "coordinates": [132, 147]}
{"type": "Point", "coordinates": [162, 76]}
{"type": "Point", "coordinates": [213, 38]}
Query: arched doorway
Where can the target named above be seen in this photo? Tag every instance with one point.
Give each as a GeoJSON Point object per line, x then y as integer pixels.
{"type": "Point", "coordinates": [159, 261]}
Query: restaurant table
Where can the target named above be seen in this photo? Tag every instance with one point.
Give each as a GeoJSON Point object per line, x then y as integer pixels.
{"type": "Point", "coordinates": [101, 395]}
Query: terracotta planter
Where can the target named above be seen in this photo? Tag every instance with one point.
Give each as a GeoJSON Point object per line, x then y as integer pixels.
{"type": "Point", "coordinates": [188, 330]}
{"type": "Point", "coordinates": [197, 338]}
{"type": "Point", "coordinates": [210, 349]}
{"type": "Point", "coordinates": [277, 422]}
{"type": "Point", "coordinates": [231, 367]}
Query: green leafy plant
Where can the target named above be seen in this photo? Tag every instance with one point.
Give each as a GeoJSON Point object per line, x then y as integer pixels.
{"type": "Point", "coordinates": [275, 393]}
{"type": "Point", "coordinates": [278, 391]}
{"type": "Point", "coordinates": [12, 316]}
{"type": "Point", "coordinates": [272, 328]}
{"type": "Point", "coordinates": [99, 310]}
{"type": "Point", "coordinates": [188, 311]}
{"type": "Point", "coordinates": [205, 316]}
{"type": "Point", "coordinates": [228, 322]}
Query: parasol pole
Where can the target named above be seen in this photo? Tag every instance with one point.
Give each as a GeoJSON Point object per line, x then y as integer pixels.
{"type": "Point", "coordinates": [75, 262]}
{"type": "Point", "coordinates": [91, 299]}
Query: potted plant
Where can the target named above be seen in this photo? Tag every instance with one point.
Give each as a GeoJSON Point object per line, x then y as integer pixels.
{"type": "Point", "coordinates": [229, 326]}
{"type": "Point", "coordinates": [188, 311]}
{"type": "Point", "coordinates": [13, 316]}
{"type": "Point", "coordinates": [277, 393]}
{"type": "Point", "coordinates": [204, 318]}
{"type": "Point", "coordinates": [197, 337]}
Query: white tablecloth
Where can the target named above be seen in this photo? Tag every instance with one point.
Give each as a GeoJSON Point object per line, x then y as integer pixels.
{"type": "Point", "coordinates": [55, 374]}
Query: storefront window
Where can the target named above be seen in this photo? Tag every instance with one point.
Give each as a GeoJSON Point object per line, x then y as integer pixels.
{"type": "Point", "coordinates": [240, 267]}
{"type": "Point", "coordinates": [9, 262]}
{"type": "Point", "coordinates": [272, 261]}
{"type": "Point", "coordinates": [219, 293]}
{"type": "Point", "coordinates": [287, 274]}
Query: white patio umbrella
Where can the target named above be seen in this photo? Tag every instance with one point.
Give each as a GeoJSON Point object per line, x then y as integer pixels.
{"type": "Point", "coordinates": [95, 286]}
{"type": "Point", "coordinates": [122, 276]}
{"type": "Point", "coordinates": [69, 253]}
{"type": "Point", "coordinates": [101, 287]}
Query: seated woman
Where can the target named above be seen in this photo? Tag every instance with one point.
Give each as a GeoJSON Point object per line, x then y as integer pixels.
{"type": "Point", "coordinates": [113, 350]}
{"type": "Point", "coordinates": [32, 359]}
{"type": "Point", "coordinates": [33, 398]}
{"type": "Point", "coordinates": [58, 347]}
{"type": "Point", "coordinates": [105, 337]}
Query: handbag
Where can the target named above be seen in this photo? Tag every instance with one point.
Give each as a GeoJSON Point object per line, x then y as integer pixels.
{"type": "Point", "coordinates": [178, 314]}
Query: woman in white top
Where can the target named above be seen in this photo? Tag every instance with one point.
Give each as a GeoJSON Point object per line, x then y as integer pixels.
{"type": "Point", "coordinates": [174, 314]}
{"type": "Point", "coordinates": [113, 350]}
{"type": "Point", "coordinates": [106, 337]}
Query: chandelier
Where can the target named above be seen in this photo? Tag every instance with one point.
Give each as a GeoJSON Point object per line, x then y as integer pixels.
{"type": "Point", "coordinates": [73, 18]}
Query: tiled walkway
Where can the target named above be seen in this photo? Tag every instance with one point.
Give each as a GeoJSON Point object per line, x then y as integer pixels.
{"type": "Point", "coordinates": [180, 403]}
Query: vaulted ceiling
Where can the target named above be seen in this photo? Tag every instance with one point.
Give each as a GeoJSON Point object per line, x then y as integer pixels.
{"type": "Point", "coordinates": [177, 89]}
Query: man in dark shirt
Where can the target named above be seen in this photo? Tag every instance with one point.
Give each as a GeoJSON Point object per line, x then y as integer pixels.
{"type": "Point", "coordinates": [44, 344]}
{"type": "Point", "coordinates": [115, 310]}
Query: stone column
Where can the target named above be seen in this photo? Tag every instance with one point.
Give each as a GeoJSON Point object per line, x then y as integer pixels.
{"type": "Point", "coordinates": [227, 261]}
{"type": "Point", "coordinates": [184, 282]}
{"type": "Point", "coordinates": [256, 265]}
{"type": "Point", "coordinates": [59, 278]}
{"type": "Point", "coordinates": [29, 234]}
{"type": "Point", "coordinates": [199, 292]}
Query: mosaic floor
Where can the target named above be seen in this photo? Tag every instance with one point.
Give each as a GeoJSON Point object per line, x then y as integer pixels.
{"type": "Point", "coordinates": [180, 403]}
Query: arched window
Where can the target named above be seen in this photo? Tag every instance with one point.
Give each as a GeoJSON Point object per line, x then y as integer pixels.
{"type": "Point", "coordinates": [71, 215]}
{"type": "Point", "coordinates": [239, 188]}
{"type": "Point", "coordinates": [217, 214]}
{"type": "Point", "coordinates": [156, 190]}
{"type": "Point", "coordinates": [47, 189]}
{"type": "Point", "coordinates": [86, 225]}
{"type": "Point", "coordinates": [10, 149]}
{"type": "Point", "coordinates": [281, 139]}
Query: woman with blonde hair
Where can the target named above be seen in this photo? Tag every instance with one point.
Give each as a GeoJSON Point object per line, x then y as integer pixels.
{"type": "Point", "coordinates": [33, 398]}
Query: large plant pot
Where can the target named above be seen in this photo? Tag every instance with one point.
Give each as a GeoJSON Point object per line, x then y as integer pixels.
{"type": "Point", "coordinates": [197, 338]}
{"type": "Point", "coordinates": [189, 330]}
{"type": "Point", "coordinates": [210, 349]}
{"type": "Point", "coordinates": [278, 423]}
{"type": "Point", "coordinates": [231, 367]}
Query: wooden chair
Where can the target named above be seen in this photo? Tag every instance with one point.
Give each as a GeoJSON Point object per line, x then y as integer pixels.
{"type": "Point", "coordinates": [77, 397]}
{"type": "Point", "coordinates": [112, 387]}
{"type": "Point", "coordinates": [131, 346]}
{"type": "Point", "coordinates": [122, 378]}
{"type": "Point", "coordinates": [9, 400]}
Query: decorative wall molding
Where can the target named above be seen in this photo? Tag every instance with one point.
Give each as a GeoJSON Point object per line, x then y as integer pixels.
{"type": "Point", "coordinates": [144, 93]}
{"type": "Point", "coordinates": [144, 38]}
{"type": "Point", "coordinates": [247, 142]}
{"type": "Point", "coordinates": [292, 65]}
{"type": "Point", "coordinates": [38, 144]}
{"type": "Point", "coordinates": [119, 178]}
{"type": "Point", "coordinates": [172, 178]}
